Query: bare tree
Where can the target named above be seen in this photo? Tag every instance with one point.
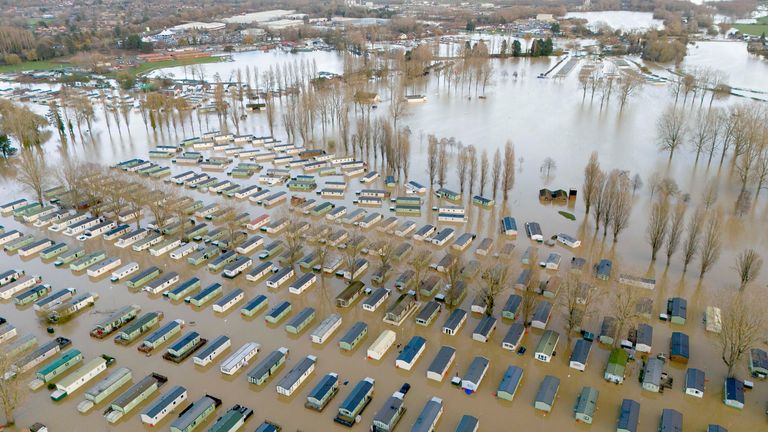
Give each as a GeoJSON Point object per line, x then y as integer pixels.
{"type": "Point", "coordinates": [386, 256]}
{"type": "Point", "coordinates": [575, 303]}
{"type": "Point", "coordinates": [601, 203]}
{"type": "Point", "coordinates": [700, 135]}
{"type": "Point", "coordinates": [671, 129]}
{"type": "Point", "coordinates": [472, 162]}
{"type": "Point", "coordinates": [658, 224]}
{"type": "Point", "coordinates": [419, 264]}
{"type": "Point", "coordinates": [163, 209]}
{"type": "Point", "coordinates": [432, 158]}
{"type": "Point", "coordinates": [294, 242]}
{"type": "Point", "coordinates": [710, 249]}
{"type": "Point", "coordinates": [710, 194]}
{"type": "Point", "coordinates": [676, 228]}
{"type": "Point", "coordinates": [32, 172]}
{"type": "Point", "coordinates": [462, 164]}
{"type": "Point", "coordinates": [547, 167]}
{"type": "Point", "coordinates": [620, 204]}
{"type": "Point", "coordinates": [454, 277]}
{"type": "Point", "coordinates": [509, 169]}
{"type": "Point", "coordinates": [12, 390]}
{"type": "Point", "coordinates": [592, 181]}
{"type": "Point", "coordinates": [483, 171]}
{"type": "Point", "coordinates": [624, 308]}
{"type": "Point", "coordinates": [693, 238]}
{"type": "Point", "coordinates": [495, 279]}
{"type": "Point", "coordinates": [748, 265]}
{"type": "Point", "coordinates": [630, 83]}
{"type": "Point", "coordinates": [442, 163]}
{"type": "Point", "coordinates": [496, 172]}
{"type": "Point", "coordinates": [743, 325]}
{"type": "Point", "coordinates": [637, 183]}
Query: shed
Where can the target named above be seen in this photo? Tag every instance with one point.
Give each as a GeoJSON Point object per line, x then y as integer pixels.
{"type": "Point", "coordinates": [644, 338]}
{"type": "Point", "coordinates": [541, 314]}
{"type": "Point", "coordinates": [513, 337]}
{"type": "Point", "coordinates": [733, 393]}
{"type": "Point", "coordinates": [580, 354]}
{"type": "Point", "coordinates": [651, 375]}
{"type": "Point", "coordinates": [509, 383]}
{"type": "Point", "coordinates": [679, 348]}
{"type": "Point", "coordinates": [758, 363]}
{"type": "Point", "coordinates": [475, 374]}
{"type": "Point", "coordinates": [441, 363]}
{"type": "Point", "coordinates": [586, 405]}
{"type": "Point", "coordinates": [608, 330]}
{"type": "Point", "coordinates": [511, 306]}
{"type": "Point", "coordinates": [545, 396]}
{"type": "Point", "coordinates": [629, 416]}
{"type": "Point", "coordinates": [671, 421]}
{"type": "Point", "coordinates": [694, 382]}
{"type": "Point", "coordinates": [617, 364]}
{"type": "Point", "coordinates": [545, 350]}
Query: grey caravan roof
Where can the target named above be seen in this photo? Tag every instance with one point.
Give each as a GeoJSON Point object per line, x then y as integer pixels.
{"type": "Point", "coordinates": [694, 378]}
{"type": "Point", "coordinates": [629, 415]}
{"type": "Point", "coordinates": [441, 360]}
{"type": "Point", "coordinates": [581, 351]}
{"type": "Point", "coordinates": [476, 369]}
{"type": "Point", "coordinates": [548, 389]}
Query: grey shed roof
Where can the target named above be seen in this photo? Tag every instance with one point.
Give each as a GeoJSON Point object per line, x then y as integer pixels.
{"type": "Point", "coordinates": [629, 415]}
{"type": "Point", "coordinates": [694, 378]}
{"type": "Point", "coordinates": [511, 379]}
{"type": "Point", "coordinates": [671, 421]}
{"type": "Point", "coordinates": [476, 369]}
{"type": "Point", "coordinates": [587, 401]}
{"type": "Point", "coordinates": [548, 390]}
{"type": "Point", "coordinates": [468, 424]}
{"type": "Point", "coordinates": [581, 350]}
{"type": "Point", "coordinates": [427, 416]}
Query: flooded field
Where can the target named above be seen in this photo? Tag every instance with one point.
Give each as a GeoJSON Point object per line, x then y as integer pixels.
{"type": "Point", "coordinates": [543, 118]}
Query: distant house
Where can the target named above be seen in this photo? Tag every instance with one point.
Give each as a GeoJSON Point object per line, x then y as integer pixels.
{"type": "Point", "coordinates": [603, 269]}
{"type": "Point", "coordinates": [758, 363]}
{"type": "Point", "coordinates": [629, 416]}
{"type": "Point", "coordinates": [679, 348]}
{"type": "Point", "coordinates": [644, 338]}
{"type": "Point", "coordinates": [608, 330]}
{"type": "Point", "coordinates": [694, 382]}
{"type": "Point", "coordinates": [677, 309]}
{"type": "Point", "coordinates": [545, 396]}
{"type": "Point", "coordinates": [733, 393]}
{"type": "Point", "coordinates": [580, 354]}
{"type": "Point", "coordinates": [510, 383]}
{"type": "Point", "coordinates": [671, 421]}
{"type": "Point", "coordinates": [586, 405]}
{"type": "Point", "coordinates": [617, 365]}
{"type": "Point", "coordinates": [545, 350]}
{"type": "Point", "coordinates": [652, 375]}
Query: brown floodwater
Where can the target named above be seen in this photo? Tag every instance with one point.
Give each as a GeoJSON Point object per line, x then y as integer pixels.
{"type": "Point", "coordinates": [543, 118]}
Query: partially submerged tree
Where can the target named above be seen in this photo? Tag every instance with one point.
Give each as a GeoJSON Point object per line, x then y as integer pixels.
{"type": "Point", "coordinates": [676, 229]}
{"type": "Point", "coordinates": [748, 266]}
{"type": "Point", "coordinates": [693, 238]}
{"type": "Point", "coordinates": [710, 249]}
{"type": "Point", "coordinates": [592, 181]}
{"type": "Point", "coordinates": [495, 279]}
{"type": "Point", "coordinates": [575, 303]}
{"type": "Point", "coordinates": [624, 308]}
{"type": "Point", "coordinates": [419, 264]}
{"type": "Point", "coordinates": [743, 325]}
{"type": "Point", "coordinates": [509, 169]}
{"type": "Point", "coordinates": [658, 223]}
{"type": "Point", "coordinates": [32, 172]}
{"type": "Point", "coordinates": [12, 390]}
{"type": "Point", "coordinates": [671, 129]}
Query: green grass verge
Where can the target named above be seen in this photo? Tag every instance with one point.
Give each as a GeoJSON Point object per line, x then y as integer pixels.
{"type": "Point", "coordinates": [754, 29]}
{"type": "Point", "coordinates": [145, 68]}
{"type": "Point", "coordinates": [27, 66]}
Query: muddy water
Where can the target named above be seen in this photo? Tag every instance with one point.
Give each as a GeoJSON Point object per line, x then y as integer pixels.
{"type": "Point", "coordinates": [543, 118]}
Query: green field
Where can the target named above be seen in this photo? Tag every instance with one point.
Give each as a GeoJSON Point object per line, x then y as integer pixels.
{"type": "Point", "coordinates": [36, 65]}
{"type": "Point", "coordinates": [754, 29]}
{"type": "Point", "coordinates": [145, 68]}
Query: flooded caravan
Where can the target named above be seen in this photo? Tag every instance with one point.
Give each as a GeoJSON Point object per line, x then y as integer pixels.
{"type": "Point", "coordinates": [254, 306]}
{"type": "Point", "coordinates": [228, 300]}
{"type": "Point", "coordinates": [296, 376]}
{"type": "Point", "coordinates": [104, 267]}
{"type": "Point", "coordinates": [212, 350]}
{"type": "Point", "coordinates": [162, 283]}
{"type": "Point", "coordinates": [138, 327]}
{"type": "Point", "coordinates": [104, 389]}
{"type": "Point", "coordinates": [135, 395]}
{"type": "Point", "coordinates": [232, 364]}
{"type": "Point", "coordinates": [161, 336]}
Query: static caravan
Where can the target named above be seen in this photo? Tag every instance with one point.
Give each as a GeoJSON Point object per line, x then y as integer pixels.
{"type": "Point", "coordinates": [511, 306]}
{"type": "Point", "coordinates": [484, 329]}
{"type": "Point", "coordinates": [222, 260]}
{"type": "Point", "coordinates": [733, 394]}
{"type": "Point", "coordinates": [164, 405]}
{"type": "Point", "coordinates": [115, 320]}
{"type": "Point", "coordinates": [162, 283]}
{"type": "Point", "coordinates": [268, 366]}
{"type": "Point", "coordinates": [389, 414]}
{"type": "Point", "coordinates": [7, 332]}
{"type": "Point", "coordinates": [455, 321]}
{"type": "Point", "coordinates": [475, 374]}
{"type": "Point", "coordinates": [104, 389]}
{"type": "Point", "coordinates": [326, 328]}
{"type": "Point", "coordinates": [758, 363]}
{"type": "Point", "coordinates": [117, 232]}
{"type": "Point", "coordinates": [135, 395]}
{"type": "Point", "coordinates": [323, 392]}
{"type": "Point", "coordinates": [293, 379]}
{"type": "Point", "coordinates": [54, 251]}
{"type": "Point", "coordinates": [32, 294]}
{"type": "Point", "coordinates": [580, 354]}
{"type": "Point", "coordinates": [253, 306]}
{"type": "Point", "coordinates": [161, 336]}
{"type": "Point", "coordinates": [353, 336]}
{"type": "Point", "coordinates": [138, 327]}
{"type": "Point", "coordinates": [405, 228]}
{"type": "Point", "coordinates": [73, 306]}
{"type": "Point", "coordinates": [131, 237]}
{"type": "Point", "coordinates": [35, 247]}
{"type": "Point", "coordinates": [230, 299]}
{"type": "Point", "coordinates": [232, 420]}
{"type": "Point", "coordinates": [304, 282]}
{"type": "Point", "coordinates": [250, 245]}
{"type": "Point", "coordinates": [79, 227]}
{"type": "Point", "coordinates": [644, 338]}
{"type": "Point", "coordinates": [513, 337]}
{"type": "Point", "coordinates": [442, 237]}
{"type": "Point", "coordinates": [533, 230]}
{"type": "Point", "coordinates": [165, 247]}
{"type": "Point", "coordinates": [70, 383]}
{"type": "Point", "coordinates": [629, 416]}
{"type": "Point", "coordinates": [429, 416]}
{"type": "Point", "coordinates": [104, 266]}
{"type": "Point", "coordinates": [58, 367]}
{"type": "Point", "coordinates": [36, 357]}
{"type": "Point", "coordinates": [183, 290]}
{"type": "Point", "coordinates": [376, 299]}
{"type": "Point", "coordinates": [239, 265]}
{"type": "Point", "coordinates": [586, 405]}
{"type": "Point", "coordinates": [8, 291]}
{"type": "Point", "coordinates": [202, 255]}
{"type": "Point", "coordinates": [468, 423]}
{"type": "Point", "coordinates": [355, 403]}
{"type": "Point", "coordinates": [400, 309]}
{"type": "Point", "coordinates": [350, 294]}
{"type": "Point", "coordinates": [88, 260]}
{"type": "Point", "coordinates": [54, 299]}
{"type": "Point", "coordinates": [425, 232]}
{"type": "Point", "coordinates": [541, 315]}
{"type": "Point", "coordinates": [260, 271]}
{"type": "Point", "coordinates": [184, 347]}
{"type": "Point", "coordinates": [568, 240]}
{"type": "Point", "coordinates": [278, 312]}
{"type": "Point", "coordinates": [671, 421]}
{"type": "Point", "coordinates": [9, 236]}
{"type": "Point", "coordinates": [205, 295]}
{"type": "Point", "coordinates": [282, 276]}
{"type": "Point", "coordinates": [546, 347]}
{"type": "Point", "coordinates": [232, 364]}
{"type": "Point", "coordinates": [196, 414]}
{"type": "Point", "coordinates": [509, 226]}
{"type": "Point", "coordinates": [411, 353]}
{"type": "Point", "coordinates": [19, 243]}
{"type": "Point", "coordinates": [381, 345]}
{"type": "Point", "coordinates": [510, 382]}
{"type": "Point", "coordinates": [545, 396]}
{"type": "Point", "coordinates": [142, 278]}
{"type": "Point", "coordinates": [679, 348]}
{"type": "Point", "coordinates": [695, 380]}
{"type": "Point", "coordinates": [300, 321]}
{"type": "Point", "coordinates": [214, 349]}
